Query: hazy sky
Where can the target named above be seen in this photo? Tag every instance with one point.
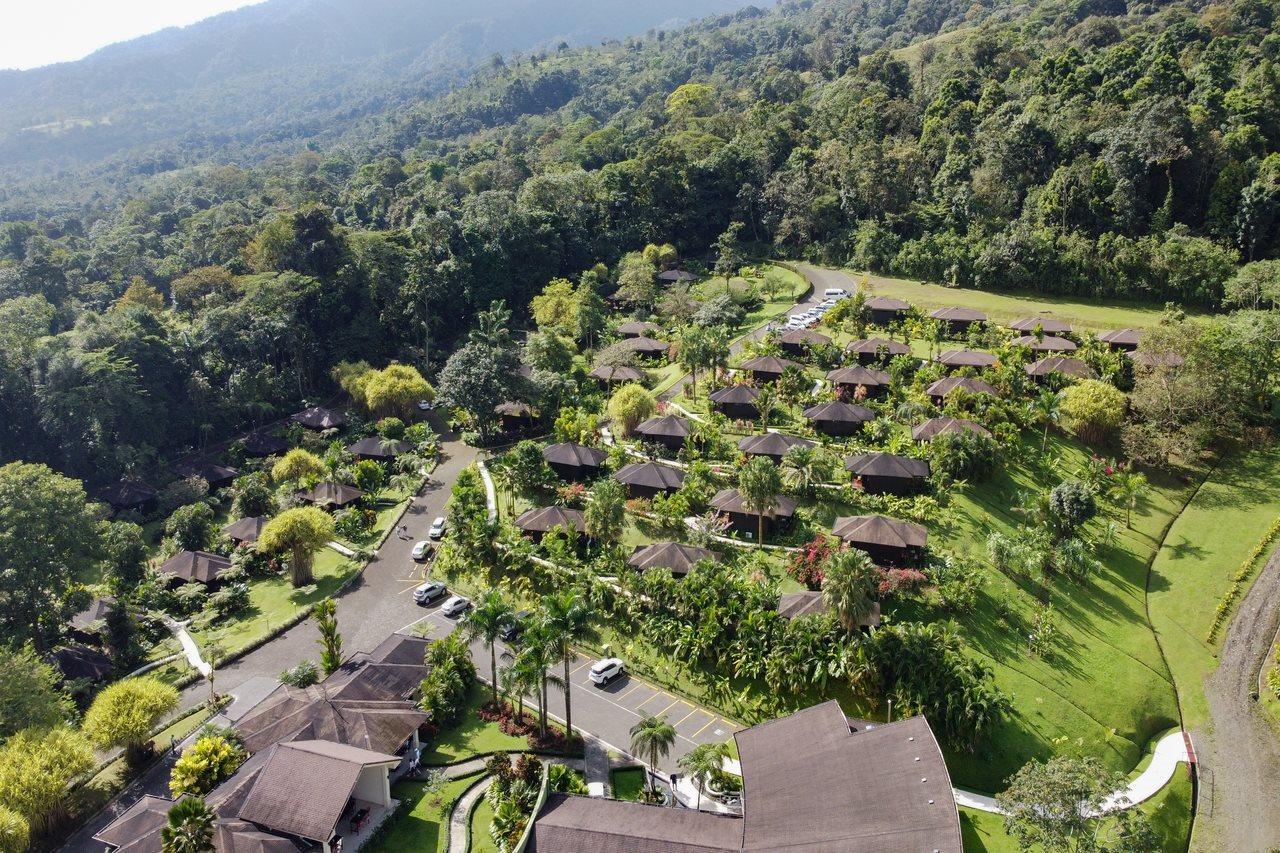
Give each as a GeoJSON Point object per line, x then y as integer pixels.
{"type": "Point", "coordinates": [40, 32]}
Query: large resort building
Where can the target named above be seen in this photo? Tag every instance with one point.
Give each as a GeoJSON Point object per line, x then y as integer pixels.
{"type": "Point", "coordinates": [812, 781]}
{"type": "Point", "coordinates": [320, 767]}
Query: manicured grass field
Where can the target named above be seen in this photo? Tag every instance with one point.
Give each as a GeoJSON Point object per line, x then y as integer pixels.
{"type": "Point", "coordinates": [481, 818]}
{"type": "Point", "coordinates": [1102, 687]}
{"type": "Point", "coordinates": [1204, 549]}
{"type": "Point", "coordinates": [1095, 315]}
{"type": "Point", "coordinates": [422, 825]}
{"type": "Point", "coordinates": [273, 601]}
{"type": "Point", "coordinates": [1169, 812]}
{"type": "Point", "coordinates": [627, 782]}
{"type": "Point", "coordinates": [471, 736]}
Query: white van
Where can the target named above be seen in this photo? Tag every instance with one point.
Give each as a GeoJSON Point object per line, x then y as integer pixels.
{"type": "Point", "coordinates": [835, 293]}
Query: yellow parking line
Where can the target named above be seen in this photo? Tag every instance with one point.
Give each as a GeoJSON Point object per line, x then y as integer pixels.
{"type": "Point", "coordinates": [703, 729]}
{"type": "Point", "coordinates": [657, 694]}
{"type": "Point", "coordinates": [690, 714]}
{"type": "Point", "coordinates": [669, 707]}
{"type": "Point", "coordinates": [633, 689]}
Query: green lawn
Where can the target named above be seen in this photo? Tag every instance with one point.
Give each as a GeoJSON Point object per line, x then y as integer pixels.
{"type": "Point", "coordinates": [1004, 307]}
{"type": "Point", "coordinates": [273, 601]}
{"type": "Point", "coordinates": [471, 736]}
{"type": "Point", "coordinates": [1102, 689]}
{"type": "Point", "coordinates": [1169, 812]}
{"type": "Point", "coordinates": [627, 782]}
{"type": "Point", "coordinates": [478, 829]}
{"type": "Point", "coordinates": [1204, 549]}
{"type": "Point", "coordinates": [422, 823]}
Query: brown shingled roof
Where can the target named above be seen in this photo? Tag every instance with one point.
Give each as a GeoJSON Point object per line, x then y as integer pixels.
{"type": "Point", "coordinates": [863, 376]}
{"type": "Point", "coordinates": [742, 395]}
{"type": "Point", "coordinates": [959, 314]}
{"type": "Point", "coordinates": [934, 427]}
{"type": "Point", "coordinates": [769, 365]}
{"type": "Point", "coordinates": [1058, 364]}
{"type": "Point", "coordinates": [837, 412]}
{"type": "Point", "coordinates": [676, 556]}
{"type": "Point", "coordinates": [805, 337]}
{"type": "Point", "coordinates": [771, 444]}
{"type": "Point", "coordinates": [1049, 343]}
{"type": "Point", "coordinates": [729, 500]}
{"type": "Point", "coordinates": [947, 384]}
{"type": "Point", "coordinates": [880, 530]}
{"type": "Point", "coordinates": [377, 447]}
{"type": "Point", "coordinates": [197, 566]}
{"type": "Point", "coordinates": [668, 426]}
{"type": "Point", "coordinates": [887, 465]}
{"type": "Point", "coordinates": [638, 328]}
{"type": "Point", "coordinates": [652, 475]}
{"type": "Point", "coordinates": [1048, 325]}
{"type": "Point", "coordinates": [966, 358]}
{"type": "Point", "coordinates": [574, 455]}
{"type": "Point", "coordinates": [644, 346]}
{"type": "Point", "coordinates": [246, 529]}
{"type": "Point", "coordinates": [331, 494]}
{"type": "Point", "coordinates": [318, 417]}
{"type": "Point", "coordinates": [543, 519]}
{"type": "Point", "coordinates": [618, 373]}
{"type": "Point", "coordinates": [878, 346]}
{"type": "Point", "coordinates": [303, 787]}
{"type": "Point", "coordinates": [574, 824]}
{"type": "Point", "coordinates": [1122, 337]}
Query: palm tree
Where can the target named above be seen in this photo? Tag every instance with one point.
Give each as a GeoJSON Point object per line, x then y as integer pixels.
{"type": "Point", "coordinates": [759, 483]}
{"type": "Point", "coordinates": [652, 737]}
{"type": "Point", "coordinates": [521, 679]}
{"type": "Point", "coordinates": [565, 620]}
{"type": "Point", "coordinates": [491, 613]}
{"type": "Point", "coordinates": [537, 653]}
{"type": "Point", "coordinates": [190, 828]}
{"type": "Point", "coordinates": [702, 762]}
{"type": "Point", "coordinates": [802, 466]}
{"type": "Point", "coordinates": [848, 583]}
{"type": "Point", "coordinates": [1046, 408]}
{"type": "Point", "coordinates": [1127, 488]}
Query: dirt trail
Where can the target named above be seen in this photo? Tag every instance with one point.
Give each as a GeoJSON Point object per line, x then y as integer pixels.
{"type": "Point", "coordinates": [1239, 751]}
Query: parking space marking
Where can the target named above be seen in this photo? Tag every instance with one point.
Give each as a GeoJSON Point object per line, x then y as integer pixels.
{"type": "Point", "coordinates": [634, 688]}
{"type": "Point", "coordinates": [688, 715]}
{"type": "Point", "coordinates": [669, 707]}
{"type": "Point", "coordinates": [704, 728]}
{"type": "Point", "coordinates": [657, 694]}
{"type": "Point", "coordinates": [579, 666]}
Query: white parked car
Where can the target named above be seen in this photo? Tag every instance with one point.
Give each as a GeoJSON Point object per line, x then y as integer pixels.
{"type": "Point", "coordinates": [456, 606]}
{"type": "Point", "coordinates": [429, 592]}
{"type": "Point", "coordinates": [799, 319]}
{"type": "Point", "coordinates": [437, 529]}
{"type": "Point", "coordinates": [604, 671]}
{"type": "Point", "coordinates": [835, 293]}
{"type": "Point", "coordinates": [421, 549]}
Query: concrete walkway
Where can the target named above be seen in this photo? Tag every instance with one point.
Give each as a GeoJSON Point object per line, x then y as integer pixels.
{"type": "Point", "coordinates": [490, 493]}
{"type": "Point", "coordinates": [1171, 750]}
{"type": "Point", "coordinates": [189, 648]}
{"type": "Point", "coordinates": [460, 817]}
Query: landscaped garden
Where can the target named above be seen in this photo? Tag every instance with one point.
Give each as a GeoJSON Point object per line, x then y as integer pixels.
{"type": "Point", "coordinates": [1050, 484]}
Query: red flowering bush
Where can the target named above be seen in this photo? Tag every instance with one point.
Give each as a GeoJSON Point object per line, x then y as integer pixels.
{"type": "Point", "coordinates": [807, 564]}
{"type": "Point", "coordinates": [572, 495]}
{"type": "Point", "coordinates": [901, 582]}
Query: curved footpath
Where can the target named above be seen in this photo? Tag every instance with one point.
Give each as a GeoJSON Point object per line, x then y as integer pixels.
{"type": "Point", "coordinates": [1238, 754]}
{"type": "Point", "coordinates": [460, 817]}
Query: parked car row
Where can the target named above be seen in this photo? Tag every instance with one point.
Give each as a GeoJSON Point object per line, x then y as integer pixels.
{"type": "Point", "coordinates": [805, 319]}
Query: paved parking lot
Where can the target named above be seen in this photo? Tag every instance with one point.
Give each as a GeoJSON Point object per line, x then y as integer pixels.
{"type": "Point", "coordinates": [608, 712]}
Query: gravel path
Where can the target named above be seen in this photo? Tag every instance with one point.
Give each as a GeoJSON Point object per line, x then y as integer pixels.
{"type": "Point", "coordinates": [1239, 752]}
{"type": "Point", "coordinates": [460, 817]}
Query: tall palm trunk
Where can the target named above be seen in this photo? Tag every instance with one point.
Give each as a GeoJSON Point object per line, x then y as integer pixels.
{"type": "Point", "coordinates": [542, 707]}
{"type": "Point", "coordinates": [760, 527]}
{"type": "Point", "coordinates": [568, 706]}
{"type": "Point", "coordinates": [493, 670]}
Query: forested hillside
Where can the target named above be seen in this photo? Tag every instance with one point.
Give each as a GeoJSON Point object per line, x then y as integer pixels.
{"type": "Point", "coordinates": [271, 77]}
{"type": "Point", "coordinates": [1083, 148]}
